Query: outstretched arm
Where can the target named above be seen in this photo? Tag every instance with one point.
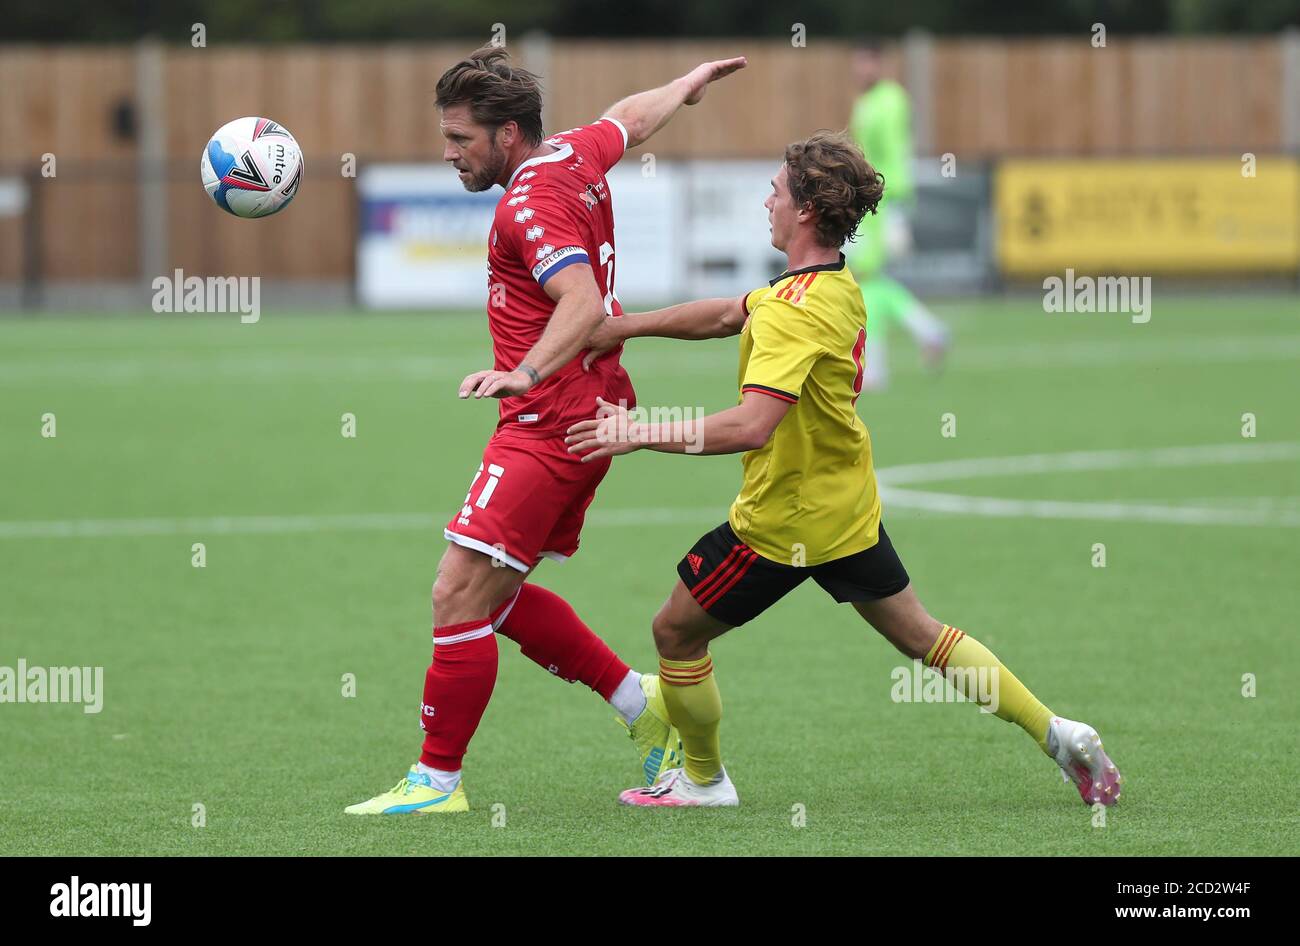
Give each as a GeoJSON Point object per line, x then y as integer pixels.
{"type": "Point", "coordinates": [704, 318]}
{"type": "Point", "coordinates": [646, 112]}
{"type": "Point", "coordinates": [613, 432]}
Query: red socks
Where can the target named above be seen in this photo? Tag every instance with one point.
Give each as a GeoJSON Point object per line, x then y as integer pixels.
{"type": "Point", "coordinates": [550, 633]}
{"type": "Point", "coordinates": [459, 682]}
{"type": "Point", "coordinates": [457, 687]}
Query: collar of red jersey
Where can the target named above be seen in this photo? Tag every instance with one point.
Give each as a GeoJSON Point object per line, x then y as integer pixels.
{"type": "Point", "coordinates": [566, 151]}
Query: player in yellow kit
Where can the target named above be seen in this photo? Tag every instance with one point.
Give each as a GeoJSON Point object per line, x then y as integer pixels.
{"type": "Point", "coordinates": [809, 506]}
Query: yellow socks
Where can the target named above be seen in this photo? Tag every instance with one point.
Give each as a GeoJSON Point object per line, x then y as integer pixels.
{"type": "Point", "coordinates": [980, 676]}
{"type": "Point", "coordinates": [690, 692]}
{"type": "Point", "coordinates": [695, 708]}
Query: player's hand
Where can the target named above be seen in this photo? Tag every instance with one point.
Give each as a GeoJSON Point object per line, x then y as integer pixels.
{"type": "Point", "coordinates": [495, 384]}
{"type": "Point", "coordinates": [606, 338]}
{"type": "Point", "coordinates": [698, 79]}
{"type": "Point", "coordinates": [609, 434]}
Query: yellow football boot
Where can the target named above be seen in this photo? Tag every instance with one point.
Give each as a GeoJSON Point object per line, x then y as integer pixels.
{"type": "Point", "coordinates": [413, 795]}
{"type": "Point", "coordinates": [657, 741]}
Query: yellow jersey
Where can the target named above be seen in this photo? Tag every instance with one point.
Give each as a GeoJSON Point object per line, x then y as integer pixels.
{"type": "Point", "coordinates": [809, 494]}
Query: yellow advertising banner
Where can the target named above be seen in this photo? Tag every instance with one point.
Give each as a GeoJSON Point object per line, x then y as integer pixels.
{"type": "Point", "coordinates": [1182, 215]}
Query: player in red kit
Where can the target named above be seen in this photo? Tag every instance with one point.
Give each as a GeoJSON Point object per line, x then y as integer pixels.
{"type": "Point", "coordinates": [556, 214]}
{"type": "Point", "coordinates": [551, 265]}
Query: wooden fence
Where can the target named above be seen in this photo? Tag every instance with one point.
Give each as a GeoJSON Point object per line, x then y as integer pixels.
{"type": "Point", "coordinates": [983, 99]}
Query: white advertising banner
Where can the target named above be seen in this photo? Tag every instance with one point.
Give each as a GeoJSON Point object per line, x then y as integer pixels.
{"type": "Point", "coordinates": [681, 230]}
{"type": "Point", "coordinates": [728, 249]}
{"type": "Point", "coordinates": [423, 240]}
{"type": "Point", "coordinates": [649, 225]}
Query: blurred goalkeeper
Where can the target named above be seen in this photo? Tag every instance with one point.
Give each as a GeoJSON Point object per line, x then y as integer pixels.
{"type": "Point", "coordinates": [881, 125]}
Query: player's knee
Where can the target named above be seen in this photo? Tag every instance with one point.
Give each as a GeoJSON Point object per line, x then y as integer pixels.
{"type": "Point", "coordinates": [912, 634]}
{"type": "Point", "coordinates": [910, 629]}
{"type": "Point", "coordinates": [919, 636]}
{"type": "Point", "coordinates": [670, 640]}
{"type": "Point", "coordinates": [450, 589]}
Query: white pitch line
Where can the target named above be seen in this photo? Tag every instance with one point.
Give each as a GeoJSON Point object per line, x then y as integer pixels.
{"type": "Point", "coordinates": [355, 522]}
{"type": "Point", "coordinates": [213, 525]}
{"type": "Point", "coordinates": [1193, 513]}
{"type": "Point", "coordinates": [1109, 353]}
{"type": "Point", "coordinates": [995, 507]}
{"type": "Point", "coordinates": [892, 496]}
{"type": "Point", "coordinates": [272, 365]}
{"type": "Point", "coordinates": [1088, 460]}
{"type": "Point", "coordinates": [1284, 503]}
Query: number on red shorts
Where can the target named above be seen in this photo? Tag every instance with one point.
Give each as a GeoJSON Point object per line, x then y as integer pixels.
{"type": "Point", "coordinates": [495, 472]}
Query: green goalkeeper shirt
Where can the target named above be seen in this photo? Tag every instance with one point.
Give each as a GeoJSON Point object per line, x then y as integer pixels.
{"type": "Point", "coordinates": [882, 126]}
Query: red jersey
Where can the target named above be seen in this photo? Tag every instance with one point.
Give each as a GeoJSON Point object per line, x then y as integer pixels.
{"type": "Point", "coordinates": [556, 212]}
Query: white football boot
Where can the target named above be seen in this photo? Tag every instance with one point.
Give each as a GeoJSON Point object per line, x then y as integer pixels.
{"type": "Point", "coordinates": [675, 790]}
{"type": "Point", "coordinates": [1077, 750]}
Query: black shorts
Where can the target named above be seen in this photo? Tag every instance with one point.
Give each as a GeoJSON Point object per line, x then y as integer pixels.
{"type": "Point", "coordinates": [735, 584]}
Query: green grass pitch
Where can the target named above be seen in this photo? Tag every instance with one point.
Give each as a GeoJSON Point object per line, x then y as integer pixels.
{"type": "Point", "coordinates": [223, 684]}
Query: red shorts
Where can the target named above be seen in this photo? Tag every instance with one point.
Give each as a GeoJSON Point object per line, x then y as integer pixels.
{"type": "Point", "coordinates": [527, 501]}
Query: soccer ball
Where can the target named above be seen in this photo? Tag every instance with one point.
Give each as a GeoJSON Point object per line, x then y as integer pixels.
{"type": "Point", "coordinates": [252, 167]}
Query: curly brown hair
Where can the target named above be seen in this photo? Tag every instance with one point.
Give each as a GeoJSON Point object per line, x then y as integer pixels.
{"type": "Point", "coordinates": [495, 91]}
{"type": "Point", "coordinates": [829, 172]}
